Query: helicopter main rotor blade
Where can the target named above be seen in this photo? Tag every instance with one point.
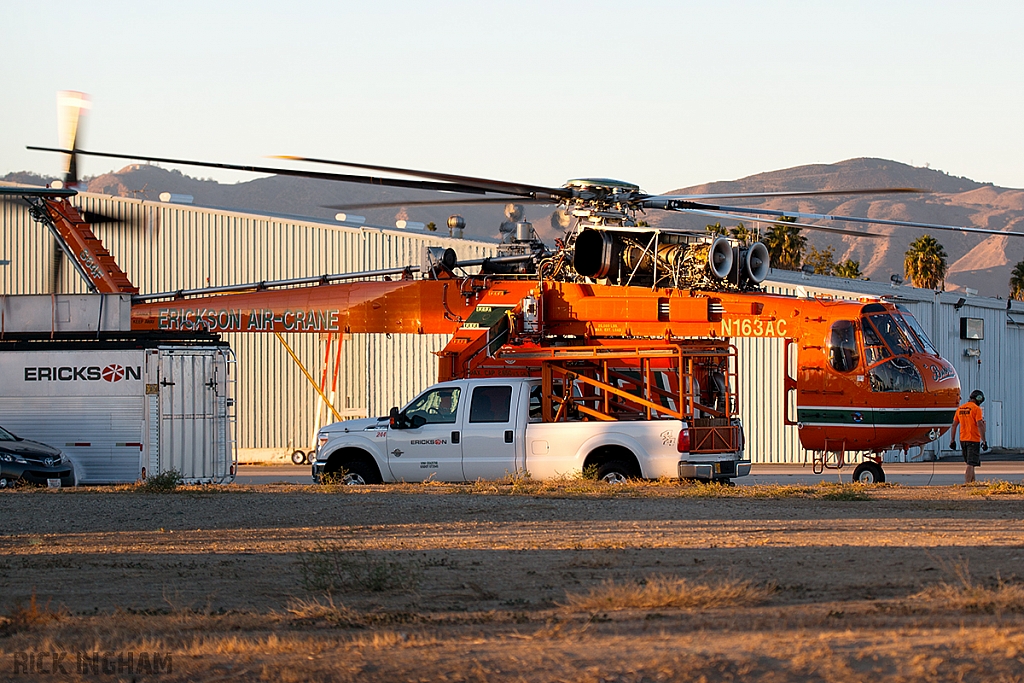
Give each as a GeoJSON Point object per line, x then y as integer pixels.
{"type": "Point", "coordinates": [681, 206]}
{"type": "Point", "coordinates": [365, 180]}
{"type": "Point", "coordinates": [652, 200]}
{"type": "Point", "coordinates": [458, 201]}
{"type": "Point", "coordinates": [485, 184]}
{"type": "Point", "coordinates": [7, 191]}
{"type": "Point", "coordinates": [809, 226]}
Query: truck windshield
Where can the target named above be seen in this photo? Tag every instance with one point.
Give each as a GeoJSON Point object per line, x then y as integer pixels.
{"type": "Point", "coordinates": [918, 331]}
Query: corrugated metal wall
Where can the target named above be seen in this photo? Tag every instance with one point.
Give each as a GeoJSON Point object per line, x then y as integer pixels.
{"type": "Point", "coordinates": [164, 247]}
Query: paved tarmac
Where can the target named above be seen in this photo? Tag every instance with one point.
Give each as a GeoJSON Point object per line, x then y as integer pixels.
{"type": "Point", "coordinates": [907, 474]}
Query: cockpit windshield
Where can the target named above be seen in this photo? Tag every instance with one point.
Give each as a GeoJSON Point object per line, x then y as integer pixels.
{"type": "Point", "coordinates": [911, 321]}
{"type": "Point", "coordinates": [890, 332]}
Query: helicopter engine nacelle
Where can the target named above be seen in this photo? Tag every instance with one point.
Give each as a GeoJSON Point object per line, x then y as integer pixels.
{"type": "Point", "coordinates": [750, 265]}
{"type": "Point", "coordinates": [757, 263]}
{"type": "Point", "coordinates": [622, 257]}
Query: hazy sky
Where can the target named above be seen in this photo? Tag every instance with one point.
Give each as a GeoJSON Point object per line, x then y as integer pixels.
{"type": "Point", "coordinates": [664, 94]}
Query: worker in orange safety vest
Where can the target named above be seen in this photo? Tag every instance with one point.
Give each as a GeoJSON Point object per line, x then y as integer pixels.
{"type": "Point", "coordinates": [972, 433]}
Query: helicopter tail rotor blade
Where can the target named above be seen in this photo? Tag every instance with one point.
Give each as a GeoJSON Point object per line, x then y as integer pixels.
{"type": "Point", "coordinates": [71, 108]}
{"type": "Point", "coordinates": [485, 184]}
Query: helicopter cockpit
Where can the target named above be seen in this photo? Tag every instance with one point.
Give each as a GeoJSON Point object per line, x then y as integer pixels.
{"type": "Point", "coordinates": [890, 338]}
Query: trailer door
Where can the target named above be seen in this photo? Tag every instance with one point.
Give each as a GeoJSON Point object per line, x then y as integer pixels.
{"type": "Point", "coordinates": [195, 426]}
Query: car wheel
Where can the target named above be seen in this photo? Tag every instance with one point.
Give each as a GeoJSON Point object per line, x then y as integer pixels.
{"type": "Point", "coordinates": [614, 472]}
{"type": "Point", "coordinates": [358, 474]}
{"type": "Point", "coordinates": [869, 473]}
{"type": "Point", "coordinates": [299, 458]}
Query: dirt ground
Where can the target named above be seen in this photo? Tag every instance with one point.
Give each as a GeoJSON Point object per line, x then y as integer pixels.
{"type": "Point", "coordinates": [503, 582]}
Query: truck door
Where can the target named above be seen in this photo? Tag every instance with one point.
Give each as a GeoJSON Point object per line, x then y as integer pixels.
{"type": "Point", "coordinates": [430, 446]}
{"type": "Point", "coordinates": [490, 433]}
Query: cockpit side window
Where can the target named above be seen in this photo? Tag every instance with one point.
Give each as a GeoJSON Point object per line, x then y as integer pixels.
{"type": "Point", "coordinates": [842, 346]}
{"type": "Point", "coordinates": [892, 335]}
{"type": "Point", "coordinates": [874, 349]}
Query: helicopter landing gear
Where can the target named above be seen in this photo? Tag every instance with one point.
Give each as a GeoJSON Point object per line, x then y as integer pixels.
{"type": "Point", "coordinates": [869, 473]}
{"type": "Point", "coordinates": [833, 457]}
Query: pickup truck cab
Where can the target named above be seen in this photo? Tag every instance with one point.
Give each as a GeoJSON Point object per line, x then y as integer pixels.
{"type": "Point", "coordinates": [472, 429]}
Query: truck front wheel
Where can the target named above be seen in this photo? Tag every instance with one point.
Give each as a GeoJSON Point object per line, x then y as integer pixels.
{"type": "Point", "coordinates": [356, 473]}
{"type": "Point", "coordinates": [614, 472]}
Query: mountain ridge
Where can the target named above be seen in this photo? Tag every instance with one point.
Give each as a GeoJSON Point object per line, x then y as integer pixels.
{"type": "Point", "coordinates": [982, 262]}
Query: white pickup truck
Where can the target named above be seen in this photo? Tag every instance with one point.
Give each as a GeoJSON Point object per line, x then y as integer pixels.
{"type": "Point", "coordinates": [466, 430]}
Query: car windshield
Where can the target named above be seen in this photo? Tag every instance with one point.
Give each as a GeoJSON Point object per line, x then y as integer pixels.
{"type": "Point", "coordinates": [911, 322]}
{"type": "Point", "coordinates": [6, 435]}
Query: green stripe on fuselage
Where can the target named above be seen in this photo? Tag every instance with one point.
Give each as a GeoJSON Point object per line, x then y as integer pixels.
{"type": "Point", "coordinates": [877, 418]}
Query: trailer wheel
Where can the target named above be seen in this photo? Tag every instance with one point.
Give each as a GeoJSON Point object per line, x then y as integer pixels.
{"type": "Point", "coordinates": [869, 473]}
{"type": "Point", "coordinates": [4, 483]}
{"type": "Point", "coordinates": [614, 472]}
{"type": "Point", "coordinates": [299, 458]}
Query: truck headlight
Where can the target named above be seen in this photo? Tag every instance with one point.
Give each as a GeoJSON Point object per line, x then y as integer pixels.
{"type": "Point", "coordinates": [321, 441]}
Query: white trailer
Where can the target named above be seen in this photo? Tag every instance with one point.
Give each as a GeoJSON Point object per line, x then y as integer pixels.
{"type": "Point", "coordinates": [124, 410]}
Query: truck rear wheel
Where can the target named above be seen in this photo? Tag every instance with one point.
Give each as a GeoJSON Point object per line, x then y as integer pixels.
{"type": "Point", "coordinates": [614, 472]}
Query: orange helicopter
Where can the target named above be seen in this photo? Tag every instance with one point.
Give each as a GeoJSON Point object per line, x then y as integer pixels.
{"type": "Point", "coordinates": [866, 378]}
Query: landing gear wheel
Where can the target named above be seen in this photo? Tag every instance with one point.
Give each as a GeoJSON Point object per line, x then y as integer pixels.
{"type": "Point", "coordinates": [614, 472]}
{"type": "Point", "coordinates": [359, 474]}
{"type": "Point", "coordinates": [869, 473]}
{"type": "Point", "coordinates": [299, 458]}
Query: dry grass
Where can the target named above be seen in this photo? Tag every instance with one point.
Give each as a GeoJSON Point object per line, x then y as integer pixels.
{"type": "Point", "coordinates": [30, 617]}
{"type": "Point", "coordinates": [330, 568]}
{"type": "Point", "coordinates": [324, 611]}
{"type": "Point", "coordinates": [998, 488]}
{"type": "Point", "coordinates": [668, 592]}
{"type": "Point", "coordinates": [964, 593]}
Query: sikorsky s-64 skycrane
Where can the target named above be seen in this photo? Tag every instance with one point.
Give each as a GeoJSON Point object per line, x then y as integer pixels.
{"type": "Point", "coordinates": [615, 306]}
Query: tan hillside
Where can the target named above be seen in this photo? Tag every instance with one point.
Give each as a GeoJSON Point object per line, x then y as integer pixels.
{"type": "Point", "coordinates": [977, 261]}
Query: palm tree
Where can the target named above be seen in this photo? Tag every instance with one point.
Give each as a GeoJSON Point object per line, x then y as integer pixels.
{"type": "Point", "coordinates": [848, 269]}
{"type": "Point", "coordinates": [742, 234]}
{"type": "Point", "coordinates": [715, 229]}
{"type": "Point", "coordinates": [1017, 282]}
{"type": "Point", "coordinates": [924, 264]}
{"type": "Point", "coordinates": [823, 262]}
{"type": "Point", "coordinates": [785, 244]}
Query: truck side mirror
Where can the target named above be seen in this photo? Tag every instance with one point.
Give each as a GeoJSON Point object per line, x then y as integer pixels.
{"type": "Point", "coordinates": [396, 418]}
